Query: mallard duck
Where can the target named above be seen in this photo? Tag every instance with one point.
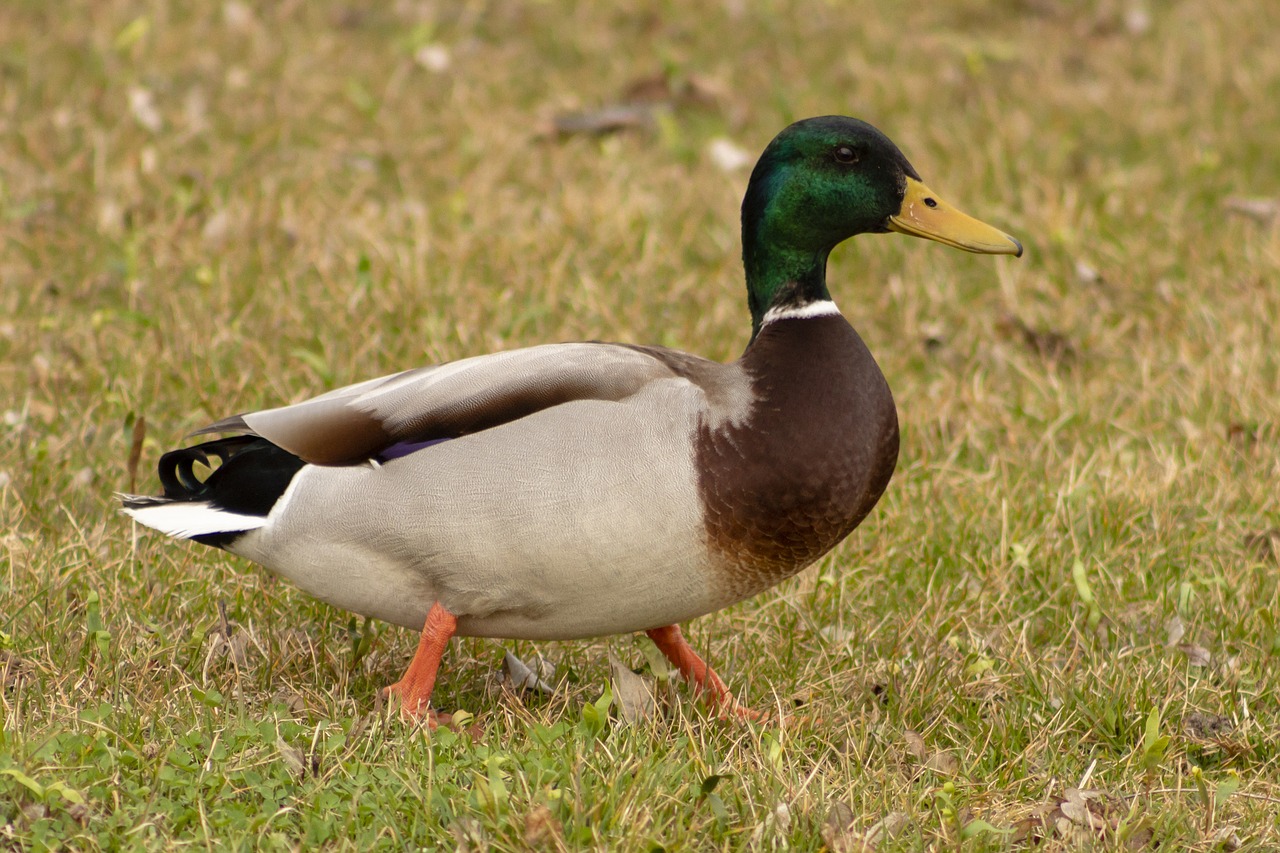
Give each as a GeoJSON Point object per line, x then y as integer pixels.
{"type": "Point", "coordinates": [576, 490]}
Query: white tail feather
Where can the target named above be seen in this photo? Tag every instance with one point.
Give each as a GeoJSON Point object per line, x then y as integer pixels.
{"type": "Point", "coordinates": [185, 520]}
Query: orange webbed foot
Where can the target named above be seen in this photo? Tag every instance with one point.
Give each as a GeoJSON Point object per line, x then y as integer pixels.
{"type": "Point", "coordinates": [672, 643]}
{"type": "Point", "coordinates": [413, 690]}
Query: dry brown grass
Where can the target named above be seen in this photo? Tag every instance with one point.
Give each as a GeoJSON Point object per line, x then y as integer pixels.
{"type": "Point", "coordinates": [211, 208]}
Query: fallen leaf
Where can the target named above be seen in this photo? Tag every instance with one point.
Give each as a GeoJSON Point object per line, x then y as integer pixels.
{"type": "Point", "coordinates": [1034, 827]}
{"type": "Point", "coordinates": [639, 105]}
{"type": "Point", "coordinates": [631, 692]}
{"type": "Point", "coordinates": [1196, 655]}
{"type": "Point", "coordinates": [79, 812]}
{"type": "Point", "coordinates": [939, 761]}
{"type": "Point", "coordinates": [837, 830]}
{"type": "Point", "coordinates": [1049, 344]}
{"type": "Point", "coordinates": [1207, 726]}
{"type": "Point", "coordinates": [915, 744]}
{"type": "Point", "coordinates": [294, 758]}
{"type": "Point", "coordinates": [606, 120]}
{"type": "Point", "coordinates": [1076, 812]}
{"type": "Point", "coordinates": [1173, 631]}
{"type": "Point", "coordinates": [653, 89]}
{"type": "Point", "coordinates": [886, 829]}
{"type": "Point", "coordinates": [1226, 838]}
{"type": "Point", "coordinates": [943, 762]}
{"type": "Point", "coordinates": [664, 88]}
{"type": "Point", "coordinates": [1264, 544]}
{"type": "Point", "coordinates": [521, 676]}
{"type": "Point", "coordinates": [1262, 210]}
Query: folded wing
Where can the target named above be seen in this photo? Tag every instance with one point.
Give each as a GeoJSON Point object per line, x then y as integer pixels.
{"type": "Point", "coordinates": [350, 424]}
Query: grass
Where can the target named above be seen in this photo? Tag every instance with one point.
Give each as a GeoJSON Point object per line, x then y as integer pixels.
{"type": "Point", "coordinates": [1071, 582]}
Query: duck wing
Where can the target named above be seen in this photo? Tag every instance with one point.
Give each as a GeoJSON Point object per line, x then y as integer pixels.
{"type": "Point", "coordinates": [356, 422]}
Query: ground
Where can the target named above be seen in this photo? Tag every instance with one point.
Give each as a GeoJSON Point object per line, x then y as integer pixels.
{"type": "Point", "coordinates": [1059, 630]}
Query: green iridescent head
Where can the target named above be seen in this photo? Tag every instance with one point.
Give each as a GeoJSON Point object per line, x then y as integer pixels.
{"type": "Point", "coordinates": [823, 180]}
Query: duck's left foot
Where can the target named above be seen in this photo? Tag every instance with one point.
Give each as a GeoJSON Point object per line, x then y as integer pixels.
{"type": "Point", "coordinates": [672, 643]}
{"type": "Point", "coordinates": [413, 690]}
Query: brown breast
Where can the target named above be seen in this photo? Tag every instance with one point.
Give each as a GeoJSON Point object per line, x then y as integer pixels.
{"type": "Point", "coordinates": [783, 486]}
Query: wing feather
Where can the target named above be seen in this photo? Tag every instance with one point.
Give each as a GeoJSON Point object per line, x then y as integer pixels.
{"type": "Point", "coordinates": [353, 423]}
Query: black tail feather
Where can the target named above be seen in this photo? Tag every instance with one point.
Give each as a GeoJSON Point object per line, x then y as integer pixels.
{"type": "Point", "coordinates": [252, 475]}
{"type": "Point", "coordinates": [177, 467]}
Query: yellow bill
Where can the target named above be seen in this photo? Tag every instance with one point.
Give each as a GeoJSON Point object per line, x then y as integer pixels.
{"type": "Point", "coordinates": [925, 215]}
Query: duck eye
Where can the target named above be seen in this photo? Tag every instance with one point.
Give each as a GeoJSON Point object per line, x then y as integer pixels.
{"type": "Point", "coordinates": [845, 154]}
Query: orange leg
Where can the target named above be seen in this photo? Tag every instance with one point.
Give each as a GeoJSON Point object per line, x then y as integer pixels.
{"type": "Point", "coordinates": [415, 686]}
{"type": "Point", "coordinates": [695, 670]}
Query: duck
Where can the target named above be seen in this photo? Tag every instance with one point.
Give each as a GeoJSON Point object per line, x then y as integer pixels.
{"type": "Point", "coordinates": [575, 490]}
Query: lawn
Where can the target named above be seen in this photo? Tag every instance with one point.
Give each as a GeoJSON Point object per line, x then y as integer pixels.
{"type": "Point", "coordinates": [1059, 630]}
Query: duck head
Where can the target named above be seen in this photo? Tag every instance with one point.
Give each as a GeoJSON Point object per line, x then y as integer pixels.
{"type": "Point", "coordinates": [823, 180]}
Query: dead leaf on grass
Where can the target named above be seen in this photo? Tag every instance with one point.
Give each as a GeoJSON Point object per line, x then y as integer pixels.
{"type": "Point", "coordinates": [519, 675]}
{"type": "Point", "coordinates": [1207, 726]}
{"type": "Point", "coordinates": [1264, 210]}
{"type": "Point", "coordinates": [1249, 437]}
{"type": "Point", "coordinates": [663, 88]}
{"type": "Point", "coordinates": [1196, 655]}
{"type": "Point", "coordinates": [915, 744]}
{"type": "Point", "coordinates": [1226, 838]}
{"type": "Point", "coordinates": [1264, 544]}
{"type": "Point", "coordinates": [839, 835]}
{"type": "Point", "coordinates": [837, 830]}
{"type": "Point", "coordinates": [887, 828]}
{"type": "Point", "coordinates": [943, 762]}
{"type": "Point", "coordinates": [939, 761]}
{"type": "Point", "coordinates": [631, 692]}
{"type": "Point", "coordinates": [79, 812]}
{"type": "Point", "coordinates": [1214, 735]}
{"type": "Point", "coordinates": [297, 703]}
{"type": "Point", "coordinates": [1049, 344]}
{"type": "Point", "coordinates": [296, 760]}
{"type": "Point", "coordinates": [1173, 631]}
{"type": "Point", "coordinates": [638, 105]}
{"type": "Point", "coordinates": [605, 120]}
{"type": "Point", "coordinates": [1082, 814]}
